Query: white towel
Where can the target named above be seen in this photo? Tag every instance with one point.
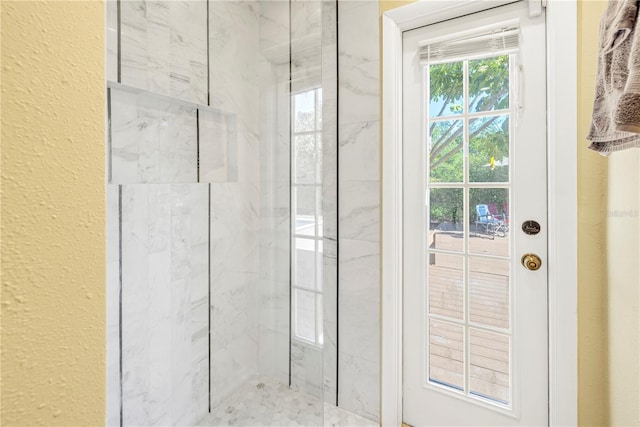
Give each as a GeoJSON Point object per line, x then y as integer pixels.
{"type": "Point", "coordinates": [616, 109]}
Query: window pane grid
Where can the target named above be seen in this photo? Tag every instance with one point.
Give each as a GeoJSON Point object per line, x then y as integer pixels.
{"type": "Point", "coordinates": [475, 115]}
{"type": "Point", "coordinates": [467, 325]}
{"type": "Point", "coordinates": [306, 132]}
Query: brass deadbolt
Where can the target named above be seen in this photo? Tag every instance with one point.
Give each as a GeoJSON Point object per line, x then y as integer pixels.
{"type": "Point", "coordinates": [531, 262]}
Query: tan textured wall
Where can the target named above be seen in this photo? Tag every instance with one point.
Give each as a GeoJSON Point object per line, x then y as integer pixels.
{"type": "Point", "coordinates": [392, 4]}
{"type": "Point", "coordinates": [609, 310]}
{"type": "Point", "coordinates": [53, 214]}
{"type": "Point", "coordinates": [593, 353]}
{"type": "Point", "coordinates": [623, 253]}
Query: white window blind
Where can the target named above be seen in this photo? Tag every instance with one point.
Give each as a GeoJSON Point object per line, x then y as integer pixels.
{"type": "Point", "coordinates": [483, 42]}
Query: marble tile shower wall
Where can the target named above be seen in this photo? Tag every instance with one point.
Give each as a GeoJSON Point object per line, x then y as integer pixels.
{"type": "Point", "coordinates": [156, 138]}
{"type": "Point", "coordinates": [274, 352]}
{"type": "Point", "coordinates": [329, 72]}
{"type": "Point", "coordinates": [308, 70]}
{"type": "Point", "coordinates": [359, 207]}
{"type": "Point", "coordinates": [152, 141]}
{"type": "Point", "coordinates": [235, 213]}
{"type": "Point", "coordinates": [163, 47]}
{"type": "Point", "coordinates": [164, 303]}
{"type": "Point", "coordinates": [306, 74]}
{"type": "Point", "coordinates": [161, 264]}
{"type": "Point", "coordinates": [244, 155]}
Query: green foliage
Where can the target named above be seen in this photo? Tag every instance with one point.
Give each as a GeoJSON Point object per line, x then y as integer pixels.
{"type": "Point", "coordinates": [489, 84]}
{"type": "Point", "coordinates": [492, 142]}
{"type": "Point", "coordinates": [446, 85]}
{"type": "Point", "coordinates": [488, 89]}
{"type": "Point", "coordinates": [446, 205]}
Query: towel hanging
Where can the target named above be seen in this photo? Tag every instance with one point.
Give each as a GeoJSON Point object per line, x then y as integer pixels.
{"type": "Point", "coordinates": [615, 122]}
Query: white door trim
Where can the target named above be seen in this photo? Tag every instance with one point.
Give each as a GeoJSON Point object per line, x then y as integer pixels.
{"type": "Point", "coordinates": [562, 173]}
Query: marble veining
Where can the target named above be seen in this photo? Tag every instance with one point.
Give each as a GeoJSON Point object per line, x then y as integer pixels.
{"type": "Point", "coordinates": [231, 162]}
{"type": "Point", "coordinates": [164, 47]}
{"type": "Point", "coordinates": [359, 209]}
{"type": "Point", "coordinates": [234, 277]}
{"type": "Point", "coordinates": [164, 303]}
{"type": "Point", "coordinates": [360, 151]}
{"type": "Point", "coordinates": [363, 399]}
{"type": "Point", "coordinates": [359, 299]}
{"type": "Point", "coordinates": [233, 43]}
{"type": "Point", "coordinates": [359, 90]}
{"type": "Point", "coordinates": [152, 141]}
{"type": "Point", "coordinates": [359, 30]}
{"type": "Point", "coordinates": [306, 47]}
{"type": "Point", "coordinates": [274, 28]}
{"type": "Point", "coordinates": [218, 144]}
{"type": "Point", "coordinates": [306, 368]}
{"type": "Point", "coordinates": [359, 329]}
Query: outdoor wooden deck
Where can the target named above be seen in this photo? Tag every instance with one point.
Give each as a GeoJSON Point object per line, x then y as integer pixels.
{"type": "Point", "coordinates": [488, 296]}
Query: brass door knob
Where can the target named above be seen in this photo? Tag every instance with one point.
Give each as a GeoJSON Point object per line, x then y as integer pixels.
{"type": "Point", "coordinates": [531, 262]}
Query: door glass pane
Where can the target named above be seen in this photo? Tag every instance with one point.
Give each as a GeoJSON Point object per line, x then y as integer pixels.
{"type": "Point", "coordinates": [446, 285]}
{"type": "Point", "coordinates": [489, 375]}
{"type": "Point", "coordinates": [468, 252]}
{"type": "Point", "coordinates": [446, 354]}
{"type": "Point", "coordinates": [446, 89]}
{"type": "Point", "coordinates": [489, 220]}
{"type": "Point", "coordinates": [489, 292]}
{"type": "Point", "coordinates": [489, 84]}
{"type": "Point", "coordinates": [446, 140]}
{"type": "Point", "coordinates": [489, 149]}
{"type": "Point", "coordinates": [446, 213]}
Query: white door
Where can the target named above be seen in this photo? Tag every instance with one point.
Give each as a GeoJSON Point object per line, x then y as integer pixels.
{"type": "Point", "coordinates": [474, 187]}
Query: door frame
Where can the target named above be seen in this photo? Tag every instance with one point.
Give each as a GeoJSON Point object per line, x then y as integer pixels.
{"type": "Point", "coordinates": [561, 46]}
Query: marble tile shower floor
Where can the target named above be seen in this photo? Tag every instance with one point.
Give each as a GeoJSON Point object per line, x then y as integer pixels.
{"type": "Point", "coordinates": [262, 401]}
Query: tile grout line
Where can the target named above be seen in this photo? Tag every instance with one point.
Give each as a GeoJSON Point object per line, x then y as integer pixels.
{"type": "Point", "coordinates": [197, 145]}
{"type": "Point", "coordinates": [120, 301]}
{"type": "Point", "coordinates": [337, 194]}
{"type": "Point", "coordinates": [209, 281]}
{"type": "Point", "coordinates": [208, 59]}
{"type": "Point", "coordinates": [119, 43]}
{"type": "Point", "coordinates": [109, 139]}
{"type": "Point", "coordinates": [290, 198]}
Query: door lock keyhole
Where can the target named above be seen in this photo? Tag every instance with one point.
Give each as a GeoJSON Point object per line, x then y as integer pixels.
{"type": "Point", "coordinates": [531, 262]}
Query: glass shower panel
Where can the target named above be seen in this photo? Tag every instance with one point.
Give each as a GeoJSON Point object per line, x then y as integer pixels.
{"type": "Point", "coordinates": [204, 138]}
{"type": "Point", "coordinates": [237, 284]}
{"type": "Point", "coordinates": [274, 325]}
{"type": "Point", "coordinates": [306, 94]}
{"type": "Point", "coordinates": [328, 259]}
{"type": "Point", "coordinates": [164, 298]}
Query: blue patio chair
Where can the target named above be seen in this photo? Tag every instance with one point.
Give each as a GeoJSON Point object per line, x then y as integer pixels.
{"type": "Point", "coordinates": [489, 223]}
